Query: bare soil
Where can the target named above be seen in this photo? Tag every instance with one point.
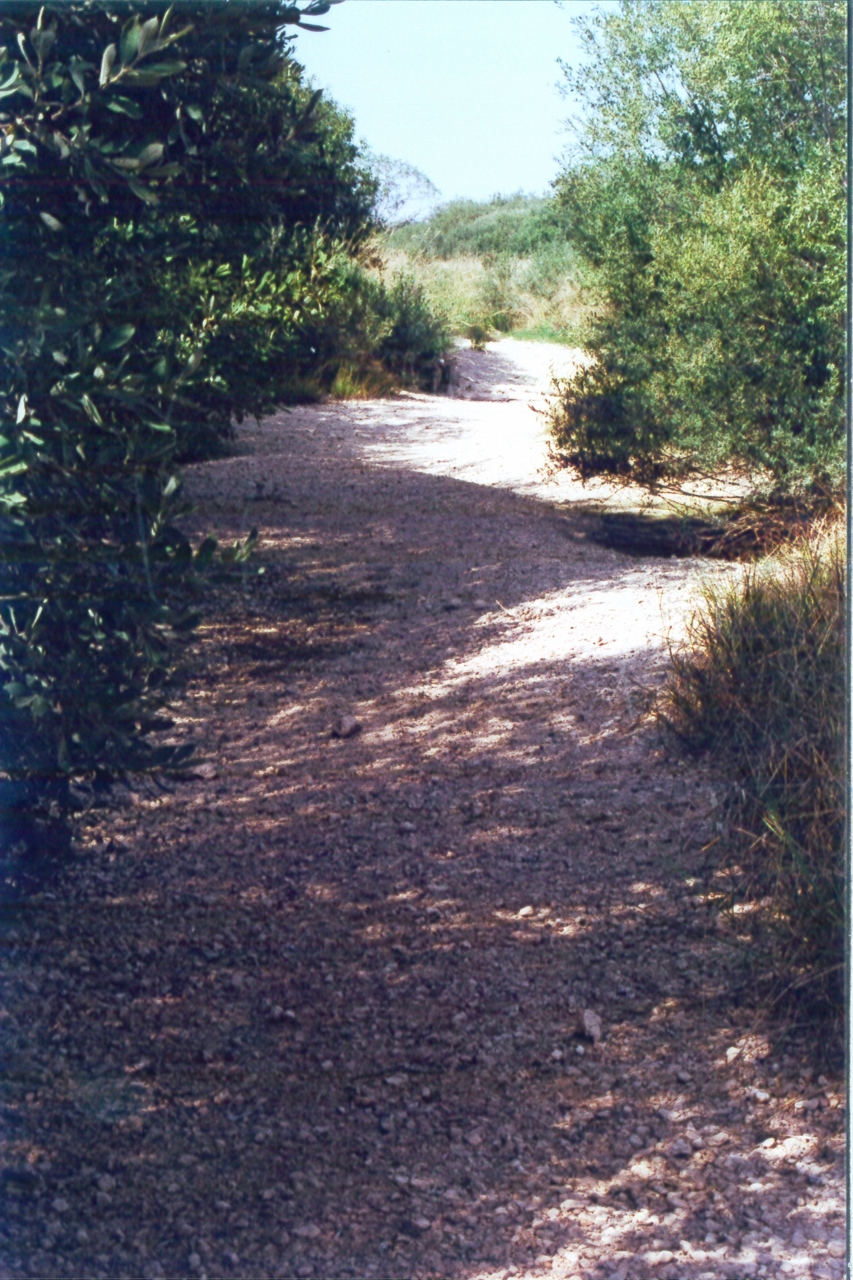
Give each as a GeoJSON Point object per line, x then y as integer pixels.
{"type": "Point", "coordinates": [319, 1011]}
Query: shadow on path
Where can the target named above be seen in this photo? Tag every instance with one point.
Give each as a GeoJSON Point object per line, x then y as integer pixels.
{"type": "Point", "coordinates": [316, 1013]}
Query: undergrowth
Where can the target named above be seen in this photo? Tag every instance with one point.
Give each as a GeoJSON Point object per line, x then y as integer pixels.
{"type": "Point", "coordinates": [504, 266]}
{"type": "Point", "coordinates": [536, 298]}
{"type": "Point", "coordinates": [760, 685]}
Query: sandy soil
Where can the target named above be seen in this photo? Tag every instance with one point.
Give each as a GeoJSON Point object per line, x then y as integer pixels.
{"type": "Point", "coordinates": [316, 1013]}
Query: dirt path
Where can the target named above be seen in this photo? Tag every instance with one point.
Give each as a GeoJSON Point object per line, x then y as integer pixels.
{"type": "Point", "coordinates": [315, 1013]}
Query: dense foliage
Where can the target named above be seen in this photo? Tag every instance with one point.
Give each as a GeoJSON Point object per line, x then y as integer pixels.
{"type": "Point", "coordinates": [706, 195]}
{"type": "Point", "coordinates": [180, 218]}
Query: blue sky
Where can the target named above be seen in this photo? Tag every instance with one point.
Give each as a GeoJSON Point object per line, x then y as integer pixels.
{"type": "Point", "coordinates": [465, 90]}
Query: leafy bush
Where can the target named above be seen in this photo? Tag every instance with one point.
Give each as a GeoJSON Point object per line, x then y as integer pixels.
{"type": "Point", "coordinates": [760, 685]}
{"type": "Point", "coordinates": [141, 306]}
{"type": "Point", "coordinates": [416, 338]}
{"type": "Point", "coordinates": [706, 200]}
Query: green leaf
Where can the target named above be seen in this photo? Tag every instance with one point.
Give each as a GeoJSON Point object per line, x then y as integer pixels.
{"type": "Point", "coordinates": [154, 74]}
{"type": "Point", "coordinates": [144, 193]}
{"type": "Point", "coordinates": [171, 68]}
{"type": "Point", "coordinates": [42, 41]}
{"type": "Point", "coordinates": [91, 409]}
{"type": "Point", "coordinates": [107, 62]}
{"type": "Point", "coordinates": [150, 154]}
{"type": "Point", "coordinates": [142, 79]}
{"type": "Point", "coordinates": [76, 67]}
{"type": "Point", "coordinates": [13, 84]}
{"type": "Point", "coordinates": [147, 36]}
{"type": "Point", "coordinates": [312, 103]}
{"type": "Point", "coordinates": [131, 36]}
{"type": "Point", "coordinates": [167, 17]}
{"type": "Point", "coordinates": [118, 337]}
{"type": "Point", "coordinates": [126, 106]}
{"type": "Point", "coordinates": [194, 112]}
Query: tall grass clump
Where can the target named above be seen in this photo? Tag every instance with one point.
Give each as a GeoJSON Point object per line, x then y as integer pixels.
{"type": "Point", "coordinates": [760, 685]}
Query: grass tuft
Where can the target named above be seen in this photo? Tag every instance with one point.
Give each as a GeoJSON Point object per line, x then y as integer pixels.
{"type": "Point", "coordinates": [366, 379]}
{"type": "Point", "coordinates": [760, 685]}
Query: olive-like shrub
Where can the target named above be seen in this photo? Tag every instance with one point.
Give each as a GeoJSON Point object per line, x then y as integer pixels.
{"type": "Point", "coordinates": [169, 190]}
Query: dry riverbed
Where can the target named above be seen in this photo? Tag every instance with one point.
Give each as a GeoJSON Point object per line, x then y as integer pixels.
{"type": "Point", "coordinates": [319, 1012]}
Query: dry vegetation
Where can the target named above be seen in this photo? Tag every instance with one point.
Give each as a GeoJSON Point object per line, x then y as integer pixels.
{"type": "Point", "coordinates": [480, 299]}
{"type": "Point", "coordinates": [761, 686]}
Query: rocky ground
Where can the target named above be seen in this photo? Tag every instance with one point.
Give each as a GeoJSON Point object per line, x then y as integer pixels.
{"type": "Point", "coordinates": [321, 1010]}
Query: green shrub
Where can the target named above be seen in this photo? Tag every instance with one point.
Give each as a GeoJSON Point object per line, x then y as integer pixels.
{"type": "Point", "coordinates": [416, 337]}
{"type": "Point", "coordinates": [163, 175]}
{"type": "Point", "coordinates": [548, 268]}
{"type": "Point", "coordinates": [706, 201]}
{"type": "Point", "coordinates": [760, 685]}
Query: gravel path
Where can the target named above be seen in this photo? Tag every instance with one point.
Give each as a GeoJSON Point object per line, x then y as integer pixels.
{"type": "Point", "coordinates": [319, 1012]}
